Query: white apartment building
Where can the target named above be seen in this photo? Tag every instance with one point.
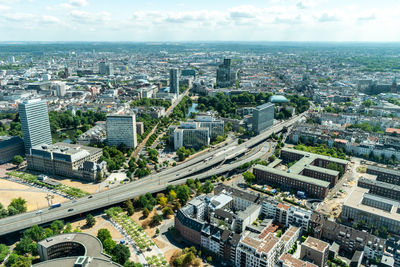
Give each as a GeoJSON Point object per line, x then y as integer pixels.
{"type": "Point", "coordinates": [252, 252]}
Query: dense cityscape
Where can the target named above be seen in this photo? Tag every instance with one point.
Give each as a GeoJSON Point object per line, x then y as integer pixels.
{"type": "Point", "coordinates": [245, 154]}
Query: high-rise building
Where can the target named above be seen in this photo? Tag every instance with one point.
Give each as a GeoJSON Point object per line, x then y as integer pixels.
{"type": "Point", "coordinates": [225, 75]}
{"type": "Point", "coordinates": [106, 69]}
{"type": "Point", "coordinates": [121, 129]}
{"type": "Point", "coordinates": [35, 123]}
{"type": "Point", "coordinates": [263, 117]}
{"type": "Point", "coordinates": [174, 81]}
{"type": "Point", "coordinates": [11, 59]}
{"type": "Point", "coordinates": [59, 88]}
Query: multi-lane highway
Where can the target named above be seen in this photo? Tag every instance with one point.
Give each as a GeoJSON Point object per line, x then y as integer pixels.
{"type": "Point", "coordinates": [154, 183]}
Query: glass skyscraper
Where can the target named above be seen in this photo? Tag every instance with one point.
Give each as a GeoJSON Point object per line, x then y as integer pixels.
{"type": "Point", "coordinates": [174, 81]}
{"type": "Point", "coordinates": [35, 123]}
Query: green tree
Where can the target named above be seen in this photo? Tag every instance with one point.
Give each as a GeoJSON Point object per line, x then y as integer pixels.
{"type": "Point", "coordinates": [57, 226]}
{"type": "Point", "coordinates": [17, 206]}
{"type": "Point", "coordinates": [26, 246]}
{"type": "Point", "coordinates": [3, 251]}
{"type": "Point", "coordinates": [146, 212]}
{"type": "Point", "coordinates": [3, 211]}
{"type": "Point", "coordinates": [103, 234]}
{"type": "Point", "coordinates": [129, 207]}
{"type": "Point", "coordinates": [208, 187]}
{"type": "Point", "coordinates": [183, 193]}
{"type": "Point", "coordinates": [90, 220]}
{"type": "Point", "coordinates": [19, 261]}
{"type": "Point", "coordinates": [108, 245]}
{"type": "Point", "coordinates": [249, 177]}
{"type": "Point", "coordinates": [167, 211]}
{"type": "Point", "coordinates": [17, 160]}
{"type": "Point", "coordinates": [156, 220]}
{"type": "Point", "coordinates": [120, 254]}
{"type": "Point", "coordinates": [36, 233]}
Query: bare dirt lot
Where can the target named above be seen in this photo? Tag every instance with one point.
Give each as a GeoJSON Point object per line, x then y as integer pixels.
{"type": "Point", "coordinates": [35, 197]}
{"type": "Point", "coordinates": [87, 187]}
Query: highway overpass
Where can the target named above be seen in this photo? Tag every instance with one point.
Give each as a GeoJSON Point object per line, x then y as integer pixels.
{"type": "Point", "coordinates": [153, 183]}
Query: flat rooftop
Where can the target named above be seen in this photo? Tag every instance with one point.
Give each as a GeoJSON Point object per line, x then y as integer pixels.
{"type": "Point", "coordinates": [294, 176]}
{"type": "Point", "coordinates": [383, 170]}
{"type": "Point", "coordinates": [291, 261]}
{"type": "Point", "coordinates": [315, 244]}
{"type": "Point", "coordinates": [355, 198]}
{"type": "Point", "coordinates": [92, 244]}
{"type": "Point", "coordinates": [64, 151]}
{"type": "Point", "coordinates": [289, 233]}
{"type": "Point", "coordinates": [70, 262]}
{"type": "Point", "coordinates": [315, 156]}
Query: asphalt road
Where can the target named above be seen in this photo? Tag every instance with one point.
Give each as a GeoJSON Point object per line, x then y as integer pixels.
{"type": "Point", "coordinates": [152, 184]}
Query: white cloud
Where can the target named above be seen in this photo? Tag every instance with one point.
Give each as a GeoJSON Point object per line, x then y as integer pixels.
{"type": "Point", "coordinates": [367, 18]}
{"type": "Point", "coordinates": [325, 17]}
{"type": "Point", "coordinates": [84, 17]}
{"type": "Point", "coordinates": [78, 3]}
{"type": "Point", "coordinates": [50, 19]}
{"type": "Point", "coordinates": [4, 8]}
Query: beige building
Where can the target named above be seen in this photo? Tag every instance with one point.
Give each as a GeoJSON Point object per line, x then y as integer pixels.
{"type": "Point", "coordinates": [67, 160]}
{"type": "Point", "coordinates": [315, 250]}
{"type": "Point", "coordinates": [372, 209]}
{"type": "Point", "coordinates": [287, 260]}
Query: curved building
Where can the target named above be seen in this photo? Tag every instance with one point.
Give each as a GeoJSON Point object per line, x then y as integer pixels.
{"type": "Point", "coordinates": [81, 261]}
{"type": "Point", "coordinates": [71, 244]}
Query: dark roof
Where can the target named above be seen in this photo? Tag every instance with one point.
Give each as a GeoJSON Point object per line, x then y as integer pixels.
{"type": "Point", "coordinates": [6, 141]}
{"type": "Point", "coordinates": [224, 215]}
{"type": "Point", "coordinates": [235, 239]}
{"type": "Point", "coordinates": [237, 193]}
{"type": "Point", "coordinates": [189, 222]}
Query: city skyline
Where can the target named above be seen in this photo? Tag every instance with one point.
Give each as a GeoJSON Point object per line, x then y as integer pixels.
{"type": "Point", "coordinates": [155, 21]}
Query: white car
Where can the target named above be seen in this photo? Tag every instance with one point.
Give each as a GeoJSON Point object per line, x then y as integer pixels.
{"type": "Point", "coordinates": [39, 212]}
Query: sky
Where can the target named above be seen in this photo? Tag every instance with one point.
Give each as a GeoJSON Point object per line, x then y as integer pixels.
{"type": "Point", "coordinates": [200, 20]}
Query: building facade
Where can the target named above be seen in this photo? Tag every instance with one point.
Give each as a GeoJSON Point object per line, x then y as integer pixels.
{"type": "Point", "coordinates": [189, 135]}
{"type": "Point", "coordinates": [35, 123]}
{"type": "Point", "coordinates": [315, 250]}
{"type": "Point", "coordinates": [67, 160]}
{"type": "Point", "coordinates": [121, 129]}
{"type": "Point", "coordinates": [263, 117]}
{"type": "Point", "coordinates": [174, 81]}
{"type": "Point", "coordinates": [226, 76]}
{"type": "Point", "coordinates": [383, 189]}
{"type": "Point", "coordinates": [373, 210]}
{"type": "Point", "coordinates": [106, 68]}
{"type": "Point", "coordinates": [10, 146]}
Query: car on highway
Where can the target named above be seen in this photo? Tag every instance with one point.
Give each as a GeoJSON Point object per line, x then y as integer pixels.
{"type": "Point", "coordinates": [39, 212]}
{"type": "Point", "coordinates": [90, 196]}
{"type": "Point", "coordinates": [71, 209]}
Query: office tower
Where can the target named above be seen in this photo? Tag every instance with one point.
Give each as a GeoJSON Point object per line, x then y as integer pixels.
{"type": "Point", "coordinates": [11, 59]}
{"type": "Point", "coordinates": [59, 88]}
{"type": "Point", "coordinates": [35, 123]}
{"type": "Point", "coordinates": [173, 81]}
{"type": "Point", "coordinates": [226, 77]}
{"type": "Point", "coordinates": [263, 117]}
{"type": "Point", "coordinates": [394, 86]}
{"type": "Point", "coordinates": [121, 129]}
{"type": "Point", "coordinates": [106, 69]}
